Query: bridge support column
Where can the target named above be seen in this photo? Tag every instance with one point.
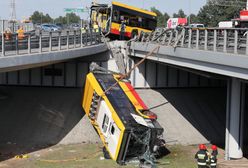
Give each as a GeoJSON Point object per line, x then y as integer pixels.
{"type": "Point", "coordinates": [234, 119]}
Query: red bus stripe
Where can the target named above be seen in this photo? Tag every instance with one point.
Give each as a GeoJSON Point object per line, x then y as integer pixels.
{"type": "Point", "coordinates": [135, 94]}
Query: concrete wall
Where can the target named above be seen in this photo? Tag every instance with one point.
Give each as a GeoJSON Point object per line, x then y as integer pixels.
{"type": "Point", "coordinates": [154, 75]}
{"type": "Point", "coordinates": [72, 74]}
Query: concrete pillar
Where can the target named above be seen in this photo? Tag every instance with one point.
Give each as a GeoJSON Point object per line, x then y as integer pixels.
{"type": "Point", "coordinates": [234, 119]}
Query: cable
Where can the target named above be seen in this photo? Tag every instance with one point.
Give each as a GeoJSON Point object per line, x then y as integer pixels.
{"type": "Point", "coordinates": [129, 72]}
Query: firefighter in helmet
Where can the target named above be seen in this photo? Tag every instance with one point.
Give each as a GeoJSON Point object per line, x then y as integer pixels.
{"type": "Point", "coordinates": [213, 157]}
{"type": "Point", "coordinates": [202, 156]}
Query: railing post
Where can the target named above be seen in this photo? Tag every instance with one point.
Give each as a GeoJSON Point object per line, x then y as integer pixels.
{"type": "Point", "coordinates": [206, 40]}
{"type": "Point", "coordinates": [3, 40]}
{"type": "Point", "coordinates": [183, 37]}
{"type": "Point", "coordinates": [67, 36]}
{"type": "Point", "coordinates": [91, 34]}
{"type": "Point", "coordinates": [29, 43]}
{"type": "Point", "coordinates": [225, 41]}
{"type": "Point", "coordinates": [74, 42]}
{"type": "Point", "coordinates": [81, 38]}
{"type": "Point", "coordinates": [59, 42]}
{"type": "Point", "coordinates": [197, 39]}
{"type": "Point", "coordinates": [16, 44]}
{"type": "Point", "coordinates": [40, 41]}
{"type": "Point", "coordinates": [215, 40]}
{"type": "Point", "coordinates": [190, 38]}
{"type": "Point", "coordinates": [86, 39]}
{"type": "Point", "coordinates": [171, 36]}
{"type": "Point", "coordinates": [50, 41]}
{"type": "Point", "coordinates": [246, 51]}
{"type": "Point", "coordinates": [235, 41]}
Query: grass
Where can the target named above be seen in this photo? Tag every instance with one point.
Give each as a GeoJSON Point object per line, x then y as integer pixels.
{"type": "Point", "coordinates": [90, 156]}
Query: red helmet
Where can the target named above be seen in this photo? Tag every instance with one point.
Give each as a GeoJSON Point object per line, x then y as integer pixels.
{"type": "Point", "coordinates": [214, 147]}
{"type": "Point", "coordinates": [202, 147]}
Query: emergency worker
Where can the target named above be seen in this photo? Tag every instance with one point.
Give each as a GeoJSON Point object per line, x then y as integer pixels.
{"type": "Point", "coordinates": [84, 29]}
{"type": "Point", "coordinates": [122, 30]}
{"type": "Point", "coordinates": [202, 156]}
{"type": "Point", "coordinates": [8, 34]}
{"type": "Point", "coordinates": [213, 157]}
{"type": "Point", "coordinates": [20, 33]}
{"type": "Point", "coordinates": [96, 27]}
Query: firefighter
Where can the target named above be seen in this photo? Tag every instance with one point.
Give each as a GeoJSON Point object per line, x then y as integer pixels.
{"type": "Point", "coordinates": [213, 157]}
{"type": "Point", "coordinates": [202, 156]}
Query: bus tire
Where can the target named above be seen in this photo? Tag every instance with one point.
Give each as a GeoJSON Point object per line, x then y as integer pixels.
{"type": "Point", "coordinates": [105, 153]}
{"type": "Point", "coordinates": [134, 33]}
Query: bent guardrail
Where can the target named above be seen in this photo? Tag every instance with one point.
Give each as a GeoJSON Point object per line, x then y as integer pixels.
{"type": "Point", "coordinates": [229, 40]}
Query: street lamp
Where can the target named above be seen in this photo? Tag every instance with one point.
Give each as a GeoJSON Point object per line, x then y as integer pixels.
{"type": "Point", "coordinates": [189, 18]}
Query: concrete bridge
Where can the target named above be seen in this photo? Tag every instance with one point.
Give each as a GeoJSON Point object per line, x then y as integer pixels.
{"type": "Point", "coordinates": [47, 48]}
{"type": "Point", "coordinates": [203, 72]}
{"type": "Point", "coordinates": [220, 53]}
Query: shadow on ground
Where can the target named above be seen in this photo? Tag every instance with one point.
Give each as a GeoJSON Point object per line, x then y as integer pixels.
{"type": "Point", "coordinates": [34, 118]}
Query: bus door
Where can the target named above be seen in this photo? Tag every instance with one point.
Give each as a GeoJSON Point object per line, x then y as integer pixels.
{"type": "Point", "coordinates": [101, 15]}
{"type": "Point", "coordinates": [108, 127]}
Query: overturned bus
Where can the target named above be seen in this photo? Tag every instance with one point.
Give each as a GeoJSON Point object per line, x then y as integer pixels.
{"type": "Point", "coordinates": [126, 127]}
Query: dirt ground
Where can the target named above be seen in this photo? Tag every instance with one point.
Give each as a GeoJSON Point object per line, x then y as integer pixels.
{"type": "Point", "coordinates": [90, 156]}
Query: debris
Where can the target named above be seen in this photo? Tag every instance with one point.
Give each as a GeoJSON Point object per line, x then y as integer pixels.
{"type": "Point", "coordinates": [72, 151]}
{"type": "Point", "coordinates": [101, 158]}
{"type": "Point", "coordinates": [50, 150]}
{"type": "Point", "coordinates": [21, 156]}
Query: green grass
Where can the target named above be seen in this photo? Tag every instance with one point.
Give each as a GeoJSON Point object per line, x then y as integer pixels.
{"type": "Point", "coordinates": [90, 156]}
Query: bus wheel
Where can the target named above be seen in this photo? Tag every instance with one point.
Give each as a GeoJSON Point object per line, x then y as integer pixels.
{"type": "Point", "coordinates": [134, 33]}
{"type": "Point", "coordinates": [105, 153]}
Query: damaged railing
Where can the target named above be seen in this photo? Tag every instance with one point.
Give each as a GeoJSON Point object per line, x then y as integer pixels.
{"type": "Point", "coordinates": [227, 40]}
{"type": "Point", "coordinates": [12, 44]}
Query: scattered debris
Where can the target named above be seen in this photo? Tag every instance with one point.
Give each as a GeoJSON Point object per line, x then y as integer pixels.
{"type": "Point", "coordinates": [22, 156]}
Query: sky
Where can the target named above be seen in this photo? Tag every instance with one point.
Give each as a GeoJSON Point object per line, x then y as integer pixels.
{"type": "Point", "coordinates": [55, 8]}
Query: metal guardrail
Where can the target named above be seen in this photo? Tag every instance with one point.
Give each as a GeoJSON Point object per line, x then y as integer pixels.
{"type": "Point", "coordinates": [229, 40]}
{"type": "Point", "coordinates": [47, 42]}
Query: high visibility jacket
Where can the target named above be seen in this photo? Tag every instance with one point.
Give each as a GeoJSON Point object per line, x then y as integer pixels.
{"type": "Point", "coordinates": [122, 27]}
{"type": "Point", "coordinates": [20, 34]}
{"type": "Point", "coordinates": [96, 28]}
{"type": "Point", "coordinates": [83, 30]}
{"type": "Point", "coordinates": [213, 160]}
{"type": "Point", "coordinates": [202, 157]}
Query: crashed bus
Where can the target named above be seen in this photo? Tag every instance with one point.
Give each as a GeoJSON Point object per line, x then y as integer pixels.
{"type": "Point", "coordinates": [124, 124]}
{"type": "Point", "coordinates": [110, 17]}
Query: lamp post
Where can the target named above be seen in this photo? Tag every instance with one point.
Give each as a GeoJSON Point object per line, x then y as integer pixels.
{"type": "Point", "coordinates": [189, 18]}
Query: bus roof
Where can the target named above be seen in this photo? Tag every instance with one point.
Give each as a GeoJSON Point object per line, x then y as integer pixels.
{"type": "Point", "coordinates": [133, 8]}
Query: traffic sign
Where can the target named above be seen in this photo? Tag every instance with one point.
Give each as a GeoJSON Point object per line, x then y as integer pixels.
{"type": "Point", "coordinates": [74, 10]}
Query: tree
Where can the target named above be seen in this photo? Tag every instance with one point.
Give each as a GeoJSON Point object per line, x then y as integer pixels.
{"type": "Point", "coordinates": [161, 18]}
{"type": "Point", "coordinates": [68, 18]}
{"type": "Point", "coordinates": [192, 18]}
{"type": "Point", "coordinates": [39, 17]}
{"type": "Point", "coordinates": [179, 14]}
{"type": "Point", "coordinates": [220, 10]}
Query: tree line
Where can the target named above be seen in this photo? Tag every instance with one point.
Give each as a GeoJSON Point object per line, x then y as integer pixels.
{"type": "Point", "coordinates": [210, 14]}
{"type": "Point", "coordinates": [39, 18]}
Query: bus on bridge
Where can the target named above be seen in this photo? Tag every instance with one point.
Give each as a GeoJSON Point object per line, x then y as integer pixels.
{"type": "Point", "coordinates": [109, 19]}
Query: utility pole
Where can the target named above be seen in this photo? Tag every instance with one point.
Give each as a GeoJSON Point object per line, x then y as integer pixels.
{"type": "Point", "coordinates": [247, 5]}
{"type": "Point", "coordinates": [12, 11]}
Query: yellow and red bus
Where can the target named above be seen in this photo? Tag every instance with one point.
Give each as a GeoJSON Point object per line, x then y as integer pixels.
{"type": "Point", "coordinates": [110, 17]}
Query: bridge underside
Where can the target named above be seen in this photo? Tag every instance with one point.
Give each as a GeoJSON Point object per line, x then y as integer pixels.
{"type": "Point", "coordinates": [194, 98]}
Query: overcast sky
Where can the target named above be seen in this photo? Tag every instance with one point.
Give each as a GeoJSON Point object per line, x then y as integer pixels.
{"type": "Point", "coordinates": [54, 8]}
